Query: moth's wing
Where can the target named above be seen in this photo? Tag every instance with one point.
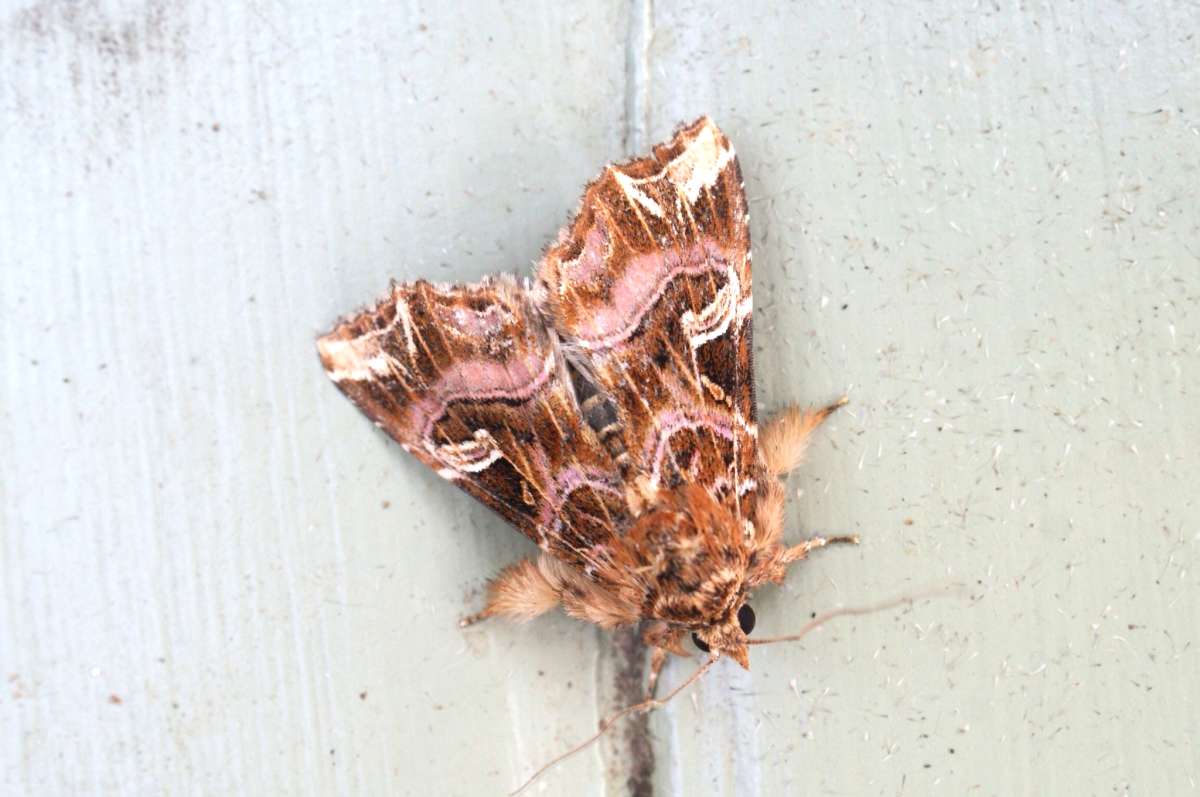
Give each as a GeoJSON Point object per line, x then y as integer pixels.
{"type": "Point", "coordinates": [650, 289]}
{"type": "Point", "coordinates": [469, 381]}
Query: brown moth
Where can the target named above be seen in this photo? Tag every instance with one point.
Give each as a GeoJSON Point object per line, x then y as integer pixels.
{"type": "Point", "coordinates": [605, 407]}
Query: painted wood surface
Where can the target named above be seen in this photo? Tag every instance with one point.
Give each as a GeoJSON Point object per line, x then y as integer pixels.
{"type": "Point", "coordinates": [979, 220]}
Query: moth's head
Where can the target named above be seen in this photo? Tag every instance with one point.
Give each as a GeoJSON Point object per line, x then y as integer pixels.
{"type": "Point", "coordinates": [691, 556]}
{"type": "Point", "coordinates": [728, 637]}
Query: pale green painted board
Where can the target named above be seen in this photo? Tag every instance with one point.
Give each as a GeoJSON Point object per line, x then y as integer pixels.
{"type": "Point", "coordinates": [979, 220]}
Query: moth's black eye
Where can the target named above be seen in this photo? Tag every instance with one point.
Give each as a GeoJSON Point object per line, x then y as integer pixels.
{"type": "Point", "coordinates": [700, 643]}
{"type": "Point", "coordinates": [746, 619]}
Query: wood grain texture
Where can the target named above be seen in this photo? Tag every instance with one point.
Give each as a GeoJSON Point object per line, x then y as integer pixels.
{"type": "Point", "coordinates": [979, 221]}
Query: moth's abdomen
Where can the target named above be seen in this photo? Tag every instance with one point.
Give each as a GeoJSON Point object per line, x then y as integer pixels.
{"type": "Point", "coordinates": [600, 413]}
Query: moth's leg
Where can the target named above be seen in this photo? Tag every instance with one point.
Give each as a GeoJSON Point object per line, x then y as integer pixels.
{"type": "Point", "coordinates": [662, 639]}
{"type": "Point", "coordinates": [784, 439]}
{"type": "Point", "coordinates": [798, 552]}
{"type": "Point", "coordinates": [658, 660]}
{"type": "Point", "coordinates": [527, 589]}
{"type": "Point", "coordinates": [769, 522]}
{"type": "Point", "coordinates": [521, 592]}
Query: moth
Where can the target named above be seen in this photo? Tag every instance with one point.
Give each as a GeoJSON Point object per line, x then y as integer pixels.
{"type": "Point", "coordinates": [605, 407]}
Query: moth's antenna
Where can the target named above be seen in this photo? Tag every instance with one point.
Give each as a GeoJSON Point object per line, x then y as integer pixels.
{"type": "Point", "coordinates": [816, 622]}
{"type": "Point", "coordinates": [848, 611]}
{"type": "Point", "coordinates": [606, 723]}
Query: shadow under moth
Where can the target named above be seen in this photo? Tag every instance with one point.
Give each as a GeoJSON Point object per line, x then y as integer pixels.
{"type": "Point", "coordinates": [605, 407]}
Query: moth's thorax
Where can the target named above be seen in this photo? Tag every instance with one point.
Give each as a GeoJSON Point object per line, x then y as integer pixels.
{"type": "Point", "coordinates": [691, 558]}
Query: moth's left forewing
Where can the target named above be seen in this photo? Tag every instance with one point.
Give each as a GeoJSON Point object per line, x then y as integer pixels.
{"type": "Point", "coordinates": [469, 381]}
{"type": "Point", "coordinates": [651, 283]}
